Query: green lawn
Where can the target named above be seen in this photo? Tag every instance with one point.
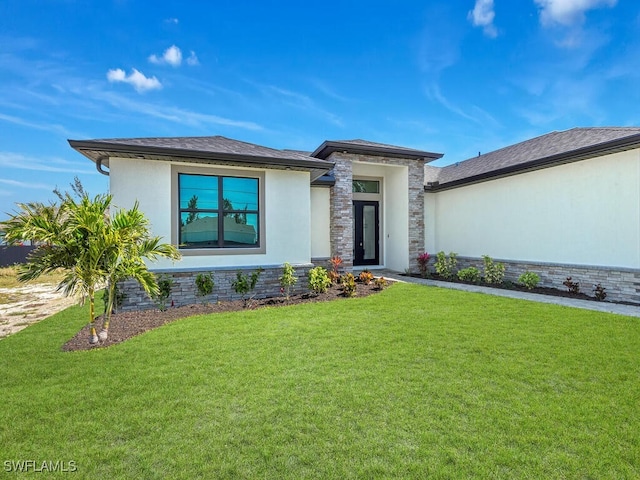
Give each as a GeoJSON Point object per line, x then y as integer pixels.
{"type": "Point", "coordinates": [415, 382]}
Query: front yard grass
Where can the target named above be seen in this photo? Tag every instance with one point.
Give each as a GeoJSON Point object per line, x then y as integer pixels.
{"type": "Point", "coordinates": [415, 382]}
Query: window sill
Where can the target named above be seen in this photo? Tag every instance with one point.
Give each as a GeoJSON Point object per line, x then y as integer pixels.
{"type": "Point", "coordinates": [198, 252]}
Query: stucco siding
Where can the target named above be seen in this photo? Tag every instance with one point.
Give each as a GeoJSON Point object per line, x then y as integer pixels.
{"type": "Point", "coordinates": [583, 213]}
{"type": "Point", "coordinates": [286, 204]}
{"type": "Point", "coordinates": [288, 223]}
{"type": "Point", "coordinates": [396, 219]}
{"type": "Point", "coordinates": [149, 183]}
{"type": "Point", "coordinates": [320, 223]}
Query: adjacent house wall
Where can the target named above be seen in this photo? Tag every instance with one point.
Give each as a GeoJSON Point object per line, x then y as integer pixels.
{"type": "Point", "coordinates": [586, 213]}
{"type": "Point", "coordinates": [580, 219]}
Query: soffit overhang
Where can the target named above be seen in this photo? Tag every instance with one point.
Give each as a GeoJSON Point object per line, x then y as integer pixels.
{"type": "Point", "coordinates": [101, 151]}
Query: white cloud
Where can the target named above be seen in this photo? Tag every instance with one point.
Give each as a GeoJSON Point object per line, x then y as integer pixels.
{"type": "Point", "coordinates": [137, 79]}
{"type": "Point", "coordinates": [171, 56]}
{"type": "Point", "coordinates": [568, 12]}
{"type": "Point", "coordinates": [25, 162]}
{"type": "Point", "coordinates": [439, 43]}
{"type": "Point", "coordinates": [16, 183]}
{"type": "Point", "coordinates": [301, 101]}
{"type": "Point", "coordinates": [479, 116]}
{"type": "Point", "coordinates": [482, 15]}
{"type": "Point", "coordinates": [173, 20]}
{"type": "Point", "coordinates": [172, 114]}
{"type": "Point", "coordinates": [192, 60]}
{"type": "Point", "coordinates": [48, 127]}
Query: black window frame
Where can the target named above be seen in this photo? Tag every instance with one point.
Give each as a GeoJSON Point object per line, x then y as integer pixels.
{"type": "Point", "coordinates": [220, 211]}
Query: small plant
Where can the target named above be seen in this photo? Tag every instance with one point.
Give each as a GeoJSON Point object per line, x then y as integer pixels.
{"type": "Point", "coordinates": [380, 283]}
{"type": "Point", "coordinates": [493, 272]}
{"type": "Point", "coordinates": [444, 265]}
{"type": "Point", "coordinates": [348, 285]}
{"type": "Point", "coordinates": [165, 284]}
{"type": "Point", "coordinates": [423, 260]}
{"type": "Point", "coordinates": [469, 274]}
{"type": "Point", "coordinates": [334, 274]}
{"type": "Point", "coordinates": [529, 280]}
{"type": "Point", "coordinates": [319, 281]}
{"type": "Point", "coordinates": [365, 277]}
{"type": "Point", "coordinates": [288, 279]}
{"type": "Point", "coordinates": [572, 287]}
{"type": "Point", "coordinates": [599, 292]}
{"type": "Point", "coordinates": [204, 285]}
{"type": "Point", "coordinates": [244, 285]}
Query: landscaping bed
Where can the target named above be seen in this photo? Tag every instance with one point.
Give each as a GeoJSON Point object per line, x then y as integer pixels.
{"type": "Point", "coordinates": [508, 285]}
{"type": "Point", "coordinates": [128, 324]}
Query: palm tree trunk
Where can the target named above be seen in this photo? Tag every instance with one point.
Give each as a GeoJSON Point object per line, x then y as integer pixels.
{"type": "Point", "coordinates": [93, 338]}
{"type": "Point", "coordinates": [111, 293]}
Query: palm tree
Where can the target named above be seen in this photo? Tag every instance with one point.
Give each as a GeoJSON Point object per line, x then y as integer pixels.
{"type": "Point", "coordinates": [91, 248]}
{"type": "Point", "coordinates": [129, 244]}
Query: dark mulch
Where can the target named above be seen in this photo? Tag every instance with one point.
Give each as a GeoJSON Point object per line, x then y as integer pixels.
{"type": "Point", "coordinates": [129, 324]}
{"type": "Point", "coordinates": [554, 292]}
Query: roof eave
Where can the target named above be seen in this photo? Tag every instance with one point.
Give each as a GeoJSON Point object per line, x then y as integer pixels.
{"type": "Point", "coordinates": [87, 147]}
{"type": "Point", "coordinates": [328, 147]}
{"type": "Point", "coordinates": [599, 150]}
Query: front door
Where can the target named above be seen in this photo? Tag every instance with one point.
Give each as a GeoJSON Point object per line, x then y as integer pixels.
{"type": "Point", "coordinates": [366, 233]}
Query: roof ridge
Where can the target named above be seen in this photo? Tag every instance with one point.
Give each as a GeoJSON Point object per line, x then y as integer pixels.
{"type": "Point", "coordinates": [544, 150]}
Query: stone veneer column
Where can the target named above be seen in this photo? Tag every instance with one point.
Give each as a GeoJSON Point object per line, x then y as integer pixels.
{"type": "Point", "coordinates": [416, 213]}
{"type": "Point", "coordinates": [341, 210]}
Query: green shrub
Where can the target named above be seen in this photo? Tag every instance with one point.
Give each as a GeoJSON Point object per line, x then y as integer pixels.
{"type": "Point", "coordinates": [445, 266]}
{"type": "Point", "coordinates": [529, 280]}
{"type": "Point", "coordinates": [243, 284]}
{"type": "Point", "coordinates": [348, 285]}
{"type": "Point", "coordinates": [493, 272]}
{"type": "Point", "coordinates": [288, 279]}
{"type": "Point", "coordinates": [204, 285]}
{"type": "Point", "coordinates": [165, 284]}
{"type": "Point", "coordinates": [470, 274]}
{"type": "Point", "coordinates": [319, 280]}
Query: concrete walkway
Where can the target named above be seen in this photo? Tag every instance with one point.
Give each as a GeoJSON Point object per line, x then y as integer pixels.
{"type": "Point", "coordinates": [630, 310]}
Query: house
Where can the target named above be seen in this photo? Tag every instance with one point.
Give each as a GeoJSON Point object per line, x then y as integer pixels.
{"type": "Point", "coordinates": [563, 204]}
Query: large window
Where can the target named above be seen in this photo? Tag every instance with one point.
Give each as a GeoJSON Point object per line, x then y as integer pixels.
{"type": "Point", "coordinates": [218, 211]}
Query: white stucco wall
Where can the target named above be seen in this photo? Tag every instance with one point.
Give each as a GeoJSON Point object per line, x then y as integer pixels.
{"type": "Point", "coordinates": [584, 213]}
{"type": "Point", "coordinates": [287, 205]}
{"type": "Point", "coordinates": [397, 219]}
{"type": "Point", "coordinates": [320, 222]}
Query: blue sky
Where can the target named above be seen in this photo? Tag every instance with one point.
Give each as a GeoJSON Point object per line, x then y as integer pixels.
{"type": "Point", "coordinates": [455, 77]}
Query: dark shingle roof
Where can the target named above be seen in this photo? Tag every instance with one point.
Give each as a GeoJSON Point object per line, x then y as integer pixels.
{"type": "Point", "coordinates": [547, 150]}
{"type": "Point", "coordinates": [215, 144]}
{"type": "Point", "coordinates": [215, 149]}
{"type": "Point", "coordinates": [364, 147]}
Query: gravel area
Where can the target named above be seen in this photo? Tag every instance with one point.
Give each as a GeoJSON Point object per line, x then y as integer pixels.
{"type": "Point", "coordinates": [22, 306]}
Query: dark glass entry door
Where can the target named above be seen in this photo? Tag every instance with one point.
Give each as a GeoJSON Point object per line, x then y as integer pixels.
{"type": "Point", "coordinates": [366, 233]}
